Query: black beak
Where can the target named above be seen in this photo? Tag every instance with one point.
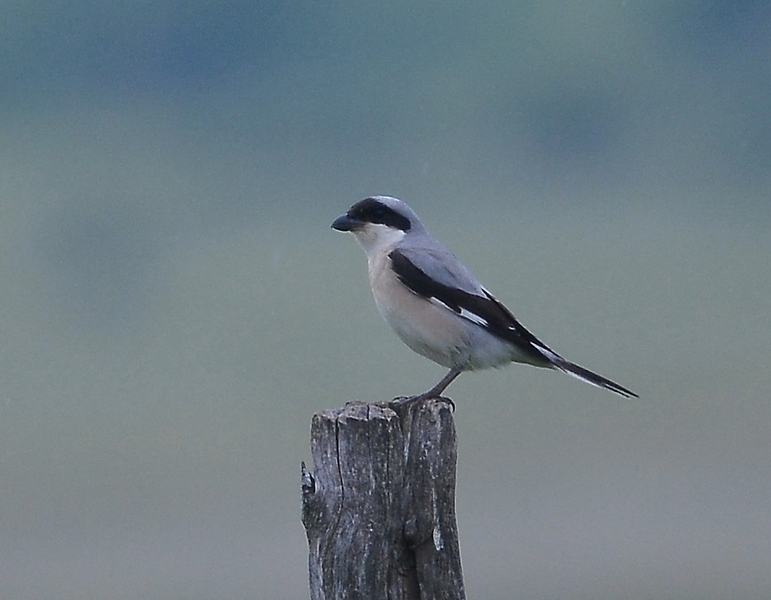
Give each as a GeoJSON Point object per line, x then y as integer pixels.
{"type": "Point", "coordinates": [346, 223]}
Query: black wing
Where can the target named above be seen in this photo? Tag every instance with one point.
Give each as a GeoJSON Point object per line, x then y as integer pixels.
{"type": "Point", "coordinates": [487, 312]}
{"type": "Point", "coordinates": [483, 310]}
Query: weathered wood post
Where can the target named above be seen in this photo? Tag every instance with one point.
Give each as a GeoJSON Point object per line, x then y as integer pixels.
{"type": "Point", "coordinates": [379, 509]}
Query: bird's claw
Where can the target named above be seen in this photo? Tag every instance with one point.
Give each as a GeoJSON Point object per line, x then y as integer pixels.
{"type": "Point", "coordinates": [401, 401]}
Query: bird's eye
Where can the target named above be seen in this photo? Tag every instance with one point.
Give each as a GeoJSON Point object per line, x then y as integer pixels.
{"type": "Point", "coordinates": [373, 211]}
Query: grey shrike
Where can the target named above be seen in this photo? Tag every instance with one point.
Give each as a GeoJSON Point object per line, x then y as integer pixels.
{"type": "Point", "coordinates": [436, 306]}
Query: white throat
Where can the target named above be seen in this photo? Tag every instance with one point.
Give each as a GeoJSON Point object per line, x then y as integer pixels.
{"type": "Point", "coordinates": [376, 238]}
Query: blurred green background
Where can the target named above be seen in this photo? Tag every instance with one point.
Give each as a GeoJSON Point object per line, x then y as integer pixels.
{"type": "Point", "coordinates": [175, 306]}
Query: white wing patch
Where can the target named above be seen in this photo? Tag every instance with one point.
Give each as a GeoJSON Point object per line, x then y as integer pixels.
{"type": "Point", "coordinates": [473, 317]}
{"type": "Point", "coordinates": [438, 302]}
{"type": "Point", "coordinates": [464, 313]}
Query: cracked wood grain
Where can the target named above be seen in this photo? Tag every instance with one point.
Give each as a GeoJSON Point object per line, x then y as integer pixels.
{"type": "Point", "coordinates": [379, 507]}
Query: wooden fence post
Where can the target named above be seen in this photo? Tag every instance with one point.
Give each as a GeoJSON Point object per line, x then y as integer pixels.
{"type": "Point", "coordinates": [379, 509]}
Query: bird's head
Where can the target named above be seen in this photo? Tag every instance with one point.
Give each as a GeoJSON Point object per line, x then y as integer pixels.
{"type": "Point", "coordinates": [379, 222]}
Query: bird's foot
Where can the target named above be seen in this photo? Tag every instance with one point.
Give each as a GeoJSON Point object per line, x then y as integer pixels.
{"type": "Point", "coordinates": [402, 401]}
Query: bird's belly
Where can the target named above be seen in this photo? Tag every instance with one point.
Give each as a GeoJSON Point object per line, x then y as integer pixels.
{"type": "Point", "coordinates": [451, 341]}
{"type": "Point", "coordinates": [429, 335]}
{"type": "Point", "coordinates": [434, 331]}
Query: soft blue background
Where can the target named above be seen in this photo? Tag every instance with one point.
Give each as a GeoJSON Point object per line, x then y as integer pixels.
{"type": "Point", "coordinates": [174, 306]}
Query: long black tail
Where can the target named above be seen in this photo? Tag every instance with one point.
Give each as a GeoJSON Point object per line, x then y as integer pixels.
{"type": "Point", "coordinates": [589, 377]}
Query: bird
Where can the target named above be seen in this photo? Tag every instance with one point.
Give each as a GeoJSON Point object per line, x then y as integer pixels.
{"type": "Point", "coordinates": [437, 307]}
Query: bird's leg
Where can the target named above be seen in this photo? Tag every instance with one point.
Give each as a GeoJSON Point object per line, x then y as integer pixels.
{"type": "Point", "coordinates": [434, 392]}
